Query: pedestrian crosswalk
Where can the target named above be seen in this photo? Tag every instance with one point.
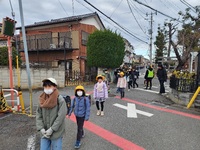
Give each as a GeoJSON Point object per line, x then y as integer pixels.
{"type": "Point", "coordinates": [155, 89]}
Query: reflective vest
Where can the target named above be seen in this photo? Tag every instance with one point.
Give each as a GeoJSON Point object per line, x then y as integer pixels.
{"type": "Point", "coordinates": [150, 74]}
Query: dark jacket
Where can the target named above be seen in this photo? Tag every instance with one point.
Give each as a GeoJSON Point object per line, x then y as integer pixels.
{"type": "Point", "coordinates": [162, 74]}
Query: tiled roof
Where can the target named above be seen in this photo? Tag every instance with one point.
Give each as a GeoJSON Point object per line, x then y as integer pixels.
{"type": "Point", "coordinates": [61, 20]}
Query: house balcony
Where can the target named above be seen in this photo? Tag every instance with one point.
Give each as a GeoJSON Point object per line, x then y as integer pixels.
{"type": "Point", "coordinates": [47, 44]}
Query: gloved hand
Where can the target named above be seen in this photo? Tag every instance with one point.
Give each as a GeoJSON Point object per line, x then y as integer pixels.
{"type": "Point", "coordinates": [43, 131]}
{"type": "Point", "coordinates": [46, 136]}
{"type": "Point", "coordinates": [49, 132]}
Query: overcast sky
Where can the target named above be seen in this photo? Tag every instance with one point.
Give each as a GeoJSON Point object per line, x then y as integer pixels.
{"type": "Point", "coordinates": [127, 13]}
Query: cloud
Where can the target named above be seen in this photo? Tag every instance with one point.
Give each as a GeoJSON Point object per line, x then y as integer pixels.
{"type": "Point", "coordinates": [118, 10]}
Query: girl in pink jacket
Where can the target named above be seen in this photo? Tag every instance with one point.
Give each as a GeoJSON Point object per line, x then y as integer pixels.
{"type": "Point", "coordinates": [121, 84]}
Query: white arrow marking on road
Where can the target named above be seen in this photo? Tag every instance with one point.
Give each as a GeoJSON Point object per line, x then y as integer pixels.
{"type": "Point", "coordinates": [132, 111]}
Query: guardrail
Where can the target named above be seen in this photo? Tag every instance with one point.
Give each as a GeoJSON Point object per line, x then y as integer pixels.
{"type": "Point", "coordinates": [15, 100]}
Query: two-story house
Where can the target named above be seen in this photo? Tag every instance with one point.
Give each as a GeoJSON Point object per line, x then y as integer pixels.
{"type": "Point", "coordinates": [61, 41]}
{"type": "Point", "coordinates": [129, 53]}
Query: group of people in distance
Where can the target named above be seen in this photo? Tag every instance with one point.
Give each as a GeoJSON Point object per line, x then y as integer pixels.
{"type": "Point", "coordinates": [51, 111]}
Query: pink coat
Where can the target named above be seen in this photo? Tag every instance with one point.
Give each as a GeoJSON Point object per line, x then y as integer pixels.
{"type": "Point", "coordinates": [121, 82]}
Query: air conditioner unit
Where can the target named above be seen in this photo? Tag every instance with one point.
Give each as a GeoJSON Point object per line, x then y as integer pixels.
{"type": "Point", "coordinates": [52, 46]}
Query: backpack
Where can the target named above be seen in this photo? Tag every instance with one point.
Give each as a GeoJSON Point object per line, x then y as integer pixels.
{"type": "Point", "coordinates": [90, 99]}
{"type": "Point", "coordinates": [68, 102]}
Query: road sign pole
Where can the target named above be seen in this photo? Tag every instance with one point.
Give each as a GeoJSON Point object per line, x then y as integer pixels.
{"type": "Point", "coordinates": [10, 68]}
{"type": "Point", "coordinates": [26, 56]}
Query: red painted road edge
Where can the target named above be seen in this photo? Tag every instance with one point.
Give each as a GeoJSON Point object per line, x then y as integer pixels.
{"type": "Point", "coordinates": [109, 136]}
{"type": "Point", "coordinates": [160, 108]}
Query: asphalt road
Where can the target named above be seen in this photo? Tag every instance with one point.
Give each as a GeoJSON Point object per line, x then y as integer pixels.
{"type": "Point", "coordinates": [158, 124]}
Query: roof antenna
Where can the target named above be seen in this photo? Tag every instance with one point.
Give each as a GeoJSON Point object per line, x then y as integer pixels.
{"type": "Point", "coordinates": [73, 7]}
{"type": "Point", "coordinates": [12, 12]}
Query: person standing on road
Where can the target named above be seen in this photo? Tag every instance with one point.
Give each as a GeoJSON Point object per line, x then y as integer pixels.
{"type": "Point", "coordinates": [149, 75]}
{"type": "Point", "coordinates": [100, 94]}
{"type": "Point", "coordinates": [81, 107]}
{"type": "Point", "coordinates": [121, 84]}
{"type": "Point", "coordinates": [135, 77]}
{"type": "Point", "coordinates": [107, 79]}
{"type": "Point", "coordinates": [162, 77]}
{"type": "Point", "coordinates": [129, 79]}
{"type": "Point", "coordinates": [50, 116]}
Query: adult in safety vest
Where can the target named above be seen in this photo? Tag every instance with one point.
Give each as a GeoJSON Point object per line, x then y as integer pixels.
{"type": "Point", "coordinates": [149, 76]}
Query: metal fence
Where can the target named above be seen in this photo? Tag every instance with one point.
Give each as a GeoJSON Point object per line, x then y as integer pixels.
{"type": "Point", "coordinates": [75, 78]}
{"type": "Point", "coordinates": [183, 85]}
{"type": "Point", "coordinates": [47, 43]}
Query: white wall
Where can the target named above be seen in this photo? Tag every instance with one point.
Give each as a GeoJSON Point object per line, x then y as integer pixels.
{"type": "Point", "coordinates": [91, 21]}
{"type": "Point", "coordinates": [37, 75]}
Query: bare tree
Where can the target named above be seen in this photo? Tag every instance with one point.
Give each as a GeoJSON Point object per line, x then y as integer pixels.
{"type": "Point", "coordinates": [188, 37]}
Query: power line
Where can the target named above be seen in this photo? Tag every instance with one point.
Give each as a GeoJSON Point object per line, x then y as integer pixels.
{"type": "Point", "coordinates": [116, 8]}
{"type": "Point", "coordinates": [135, 17]}
{"type": "Point", "coordinates": [157, 11]}
{"type": "Point", "coordinates": [63, 7]}
{"type": "Point", "coordinates": [137, 9]}
{"type": "Point", "coordinates": [116, 22]}
{"type": "Point", "coordinates": [188, 5]}
{"type": "Point", "coordinates": [114, 25]}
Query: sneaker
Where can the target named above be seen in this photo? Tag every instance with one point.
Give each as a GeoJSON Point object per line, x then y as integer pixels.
{"type": "Point", "coordinates": [77, 144]}
{"type": "Point", "coordinates": [102, 113]}
{"type": "Point", "coordinates": [128, 89]}
{"type": "Point", "coordinates": [98, 112]}
{"type": "Point", "coordinates": [83, 135]}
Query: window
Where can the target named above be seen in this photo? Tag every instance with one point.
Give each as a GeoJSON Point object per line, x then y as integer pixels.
{"type": "Point", "coordinates": [84, 38]}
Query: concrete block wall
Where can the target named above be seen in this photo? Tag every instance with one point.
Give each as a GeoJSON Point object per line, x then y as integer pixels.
{"type": "Point", "coordinates": [36, 74]}
{"type": "Point", "coordinates": [183, 98]}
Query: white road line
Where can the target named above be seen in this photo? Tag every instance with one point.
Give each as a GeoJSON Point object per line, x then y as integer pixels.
{"type": "Point", "coordinates": [155, 87]}
{"type": "Point", "coordinates": [151, 91]}
{"type": "Point", "coordinates": [133, 110]}
{"type": "Point", "coordinates": [5, 116]}
{"type": "Point", "coordinates": [31, 142]}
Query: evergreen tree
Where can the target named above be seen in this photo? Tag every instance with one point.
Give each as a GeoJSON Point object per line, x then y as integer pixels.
{"type": "Point", "coordinates": [4, 61]}
{"type": "Point", "coordinates": [160, 45]}
{"type": "Point", "coordinates": [105, 49]}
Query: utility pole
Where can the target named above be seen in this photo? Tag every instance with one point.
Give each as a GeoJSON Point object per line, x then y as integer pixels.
{"type": "Point", "coordinates": [151, 33]}
{"type": "Point", "coordinates": [151, 36]}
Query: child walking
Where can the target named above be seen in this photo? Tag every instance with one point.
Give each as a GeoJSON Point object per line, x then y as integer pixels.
{"type": "Point", "coordinates": [100, 94]}
{"type": "Point", "coordinates": [121, 84]}
{"type": "Point", "coordinates": [81, 107]}
{"type": "Point", "coordinates": [50, 116]}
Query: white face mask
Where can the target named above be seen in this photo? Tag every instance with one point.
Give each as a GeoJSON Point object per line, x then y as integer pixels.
{"type": "Point", "coordinates": [48, 91]}
{"type": "Point", "coordinates": [79, 93]}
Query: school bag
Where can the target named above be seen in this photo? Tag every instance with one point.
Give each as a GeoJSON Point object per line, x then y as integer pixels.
{"type": "Point", "coordinates": [68, 102]}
